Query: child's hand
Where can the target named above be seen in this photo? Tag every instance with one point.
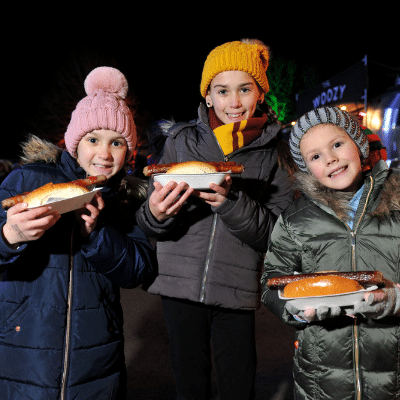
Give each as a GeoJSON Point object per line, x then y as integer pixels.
{"type": "Point", "coordinates": [310, 314]}
{"type": "Point", "coordinates": [87, 216]}
{"type": "Point", "coordinates": [27, 225]}
{"type": "Point", "coordinates": [165, 202]}
{"type": "Point", "coordinates": [380, 303]}
{"type": "Point", "coordinates": [221, 192]}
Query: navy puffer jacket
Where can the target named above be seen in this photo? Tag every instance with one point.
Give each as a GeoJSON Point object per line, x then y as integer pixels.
{"type": "Point", "coordinates": [61, 322]}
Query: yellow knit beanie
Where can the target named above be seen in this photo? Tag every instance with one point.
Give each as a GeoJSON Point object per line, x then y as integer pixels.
{"type": "Point", "coordinates": [250, 57]}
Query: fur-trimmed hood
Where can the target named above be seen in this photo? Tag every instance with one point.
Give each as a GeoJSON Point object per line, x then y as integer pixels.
{"type": "Point", "coordinates": [36, 149]}
{"type": "Point", "coordinates": [313, 189]}
{"type": "Point", "coordinates": [389, 199]}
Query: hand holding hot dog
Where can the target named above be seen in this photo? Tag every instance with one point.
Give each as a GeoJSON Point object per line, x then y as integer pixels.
{"type": "Point", "coordinates": [87, 216]}
{"type": "Point", "coordinates": [166, 201]}
{"type": "Point", "coordinates": [27, 225]}
{"type": "Point", "coordinates": [219, 195]}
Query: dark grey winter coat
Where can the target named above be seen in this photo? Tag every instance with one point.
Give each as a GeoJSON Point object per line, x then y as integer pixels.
{"type": "Point", "coordinates": [215, 255]}
{"type": "Point", "coordinates": [341, 358]}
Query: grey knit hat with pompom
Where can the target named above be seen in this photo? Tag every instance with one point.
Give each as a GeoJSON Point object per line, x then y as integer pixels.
{"type": "Point", "coordinates": [326, 115]}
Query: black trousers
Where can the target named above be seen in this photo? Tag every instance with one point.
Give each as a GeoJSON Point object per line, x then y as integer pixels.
{"type": "Point", "coordinates": [192, 327]}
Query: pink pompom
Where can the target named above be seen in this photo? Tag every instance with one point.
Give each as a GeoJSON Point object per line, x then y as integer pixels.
{"type": "Point", "coordinates": [108, 79]}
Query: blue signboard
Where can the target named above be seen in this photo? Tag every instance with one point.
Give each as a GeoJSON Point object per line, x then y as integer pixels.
{"type": "Point", "coordinates": [350, 86]}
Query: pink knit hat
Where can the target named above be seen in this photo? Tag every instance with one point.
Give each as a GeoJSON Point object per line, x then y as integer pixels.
{"type": "Point", "coordinates": [103, 108]}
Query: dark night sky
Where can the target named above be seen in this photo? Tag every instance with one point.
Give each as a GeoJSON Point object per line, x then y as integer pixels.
{"type": "Point", "coordinates": [163, 58]}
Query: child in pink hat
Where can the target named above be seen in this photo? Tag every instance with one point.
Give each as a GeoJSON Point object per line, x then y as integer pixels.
{"type": "Point", "coordinates": [103, 108]}
{"type": "Point", "coordinates": [61, 333]}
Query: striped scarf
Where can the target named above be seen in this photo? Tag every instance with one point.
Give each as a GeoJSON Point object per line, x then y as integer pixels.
{"type": "Point", "coordinates": [237, 134]}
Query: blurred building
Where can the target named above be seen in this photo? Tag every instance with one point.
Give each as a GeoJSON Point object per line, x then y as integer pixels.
{"type": "Point", "coordinates": [382, 117]}
{"type": "Point", "coordinates": [369, 91]}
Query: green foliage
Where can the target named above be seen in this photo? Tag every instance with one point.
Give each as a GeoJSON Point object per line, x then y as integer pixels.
{"type": "Point", "coordinates": [281, 77]}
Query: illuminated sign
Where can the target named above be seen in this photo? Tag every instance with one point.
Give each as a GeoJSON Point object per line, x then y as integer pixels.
{"type": "Point", "coordinates": [347, 87]}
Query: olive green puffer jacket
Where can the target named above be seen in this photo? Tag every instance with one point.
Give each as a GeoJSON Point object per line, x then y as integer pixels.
{"type": "Point", "coordinates": [341, 358]}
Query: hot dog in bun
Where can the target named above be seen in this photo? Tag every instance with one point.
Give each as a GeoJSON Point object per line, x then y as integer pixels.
{"type": "Point", "coordinates": [52, 192]}
{"type": "Point", "coordinates": [324, 283]}
{"type": "Point", "coordinates": [194, 167]}
{"type": "Point", "coordinates": [321, 286]}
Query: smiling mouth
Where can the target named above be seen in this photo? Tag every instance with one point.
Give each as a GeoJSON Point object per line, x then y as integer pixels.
{"type": "Point", "coordinates": [102, 166]}
{"type": "Point", "coordinates": [236, 115]}
{"type": "Point", "coordinates": [337, 172]}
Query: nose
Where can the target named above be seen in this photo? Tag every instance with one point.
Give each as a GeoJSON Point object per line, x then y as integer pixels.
{"type": "Point", "coordinates": [235, 101]}
{"type": "Point", "coordinates": [331, 158]}
{"type": "Point", "coordinates": [104, 152]}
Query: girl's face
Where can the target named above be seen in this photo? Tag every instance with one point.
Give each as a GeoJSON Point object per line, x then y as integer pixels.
{"type": "Point", "coordinates": [234, 96]}
{"type": "Point", "coordinates": [102, 152]}
{"type": "Point", "coordinates": [332, 157]}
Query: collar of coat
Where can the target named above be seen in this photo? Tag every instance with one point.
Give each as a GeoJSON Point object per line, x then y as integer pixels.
{"type": "Point", "coordinates": [386, 180]}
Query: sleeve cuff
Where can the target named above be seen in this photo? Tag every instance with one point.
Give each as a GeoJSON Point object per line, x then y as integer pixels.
{"type": "Point", "coordinates": [8, 253]}
{"type": "Point", "coordinates": [228, 204]}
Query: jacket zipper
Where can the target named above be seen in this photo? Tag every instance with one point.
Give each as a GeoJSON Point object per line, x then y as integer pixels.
{"type": "Point", "coordinates": [210, 243]}
{"type": "Point", "coordinates": [68, 327]}
{"type": "Point", "coordinates": [207, 264]}
{"type": "Point", "coordinates": [355, 329]}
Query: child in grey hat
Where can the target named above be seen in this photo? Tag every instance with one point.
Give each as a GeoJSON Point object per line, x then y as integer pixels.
{"type": "Point", "coordinates": [347, 219]}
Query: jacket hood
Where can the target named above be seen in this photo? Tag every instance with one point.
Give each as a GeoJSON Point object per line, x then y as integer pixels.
{"type": "Point", "coordinates": [314, 190]}
{"type": "Point", "coordinates": [36, 149]}
{"type": "Point", "coordinates": [389, 199]}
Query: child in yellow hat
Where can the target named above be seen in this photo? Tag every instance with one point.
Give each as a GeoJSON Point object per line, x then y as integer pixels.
{"type": "Point", "coordinates": [210, 243]}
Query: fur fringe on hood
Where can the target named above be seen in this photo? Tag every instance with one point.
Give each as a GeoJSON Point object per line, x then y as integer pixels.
{"type": "Point", "coordinates": [390, 196]}
{"type": "Point", "coordinates": [36, 149]}
{"type": "Point", "coordinates": [339, 201]}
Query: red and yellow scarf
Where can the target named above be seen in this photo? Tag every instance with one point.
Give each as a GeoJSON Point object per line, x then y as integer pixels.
{"type": "Point", "coordinates": [237, 134]}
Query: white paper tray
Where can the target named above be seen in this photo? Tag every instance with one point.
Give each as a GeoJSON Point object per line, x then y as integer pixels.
{"type": "Point", "coordinates": [340, 300]}
{"type": "Point", "coordinates": [74, 203]}
{"type": "Point", "coordinates": [196, 181]}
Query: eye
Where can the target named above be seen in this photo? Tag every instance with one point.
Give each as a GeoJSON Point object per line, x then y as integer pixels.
{"type": "Point", "coordinates": [337, 144]}
{"type": "Point", "coordinates": [119, 143]}
{"type": "Point", "coordinates": [314, 157]}
{"type": "Point", "coordinates": [222, 92]}
{"type": "Point", "coordinates": [92, 139]}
